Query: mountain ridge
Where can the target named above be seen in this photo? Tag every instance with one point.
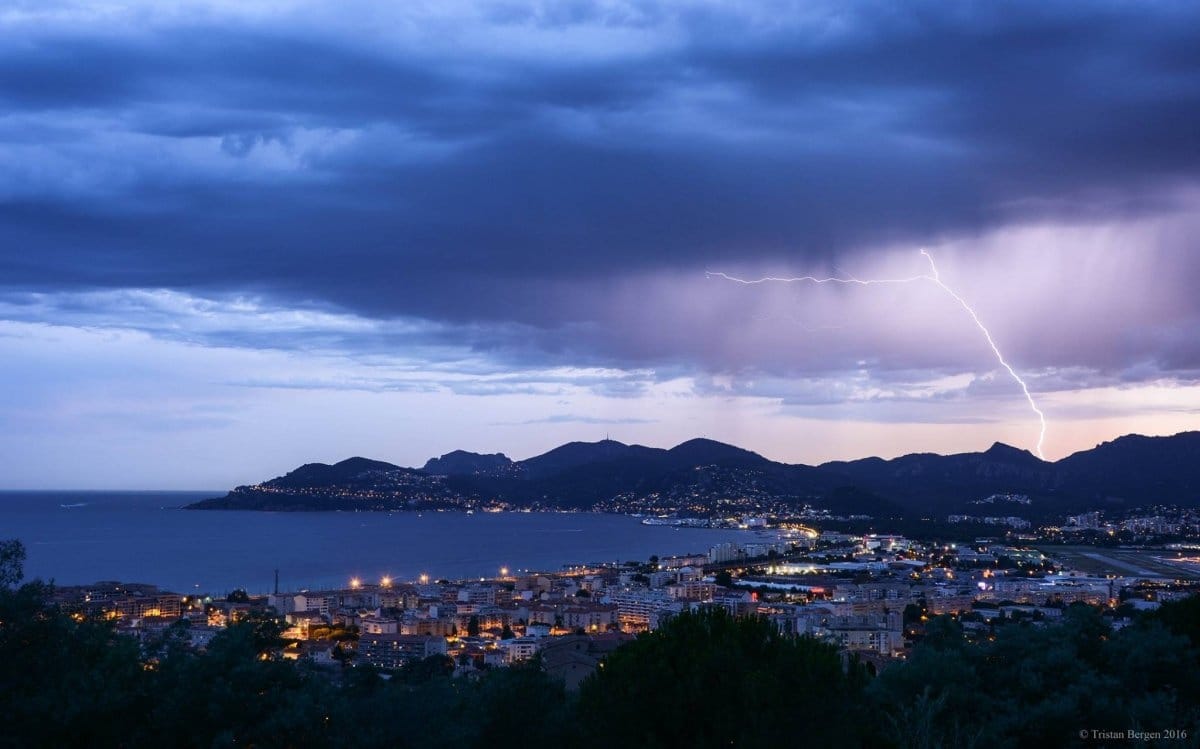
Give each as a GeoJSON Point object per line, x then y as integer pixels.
{"type": "Point", "coordinates": [703, 475]}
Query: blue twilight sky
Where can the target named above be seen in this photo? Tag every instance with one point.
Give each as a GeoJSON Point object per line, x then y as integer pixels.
{"type": "Point", "coordinates": [235, 237]}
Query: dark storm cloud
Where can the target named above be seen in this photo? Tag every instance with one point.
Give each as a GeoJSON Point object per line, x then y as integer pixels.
{"type": "Point", "coordinates": [502, 187]}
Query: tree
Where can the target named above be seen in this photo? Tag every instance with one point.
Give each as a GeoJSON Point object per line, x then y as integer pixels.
{"type": "Point", "coordinates": [12, 563]}
{"type": "Point", "coordinates": [342, 655]}
{"type": "Point", "coordinates": [473, 626]}
{"type": "Point", "coordinates": [755, 684]}
{"type": "Point", "coordinates": [1037, 685]}
{"type": "Point", "coordinates": [1181, 617]}
{"type": "Point", "coordinates": [724, 578]}
{"type": "Point", "coordinates": [507, 697]}
{"type": "Point", "coordinates": [428, 669]}
{"type": "Point", "coordinates": [59, 673]}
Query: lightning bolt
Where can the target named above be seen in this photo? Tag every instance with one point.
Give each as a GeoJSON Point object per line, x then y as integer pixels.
{"type": "Point", "coordinates": [932, 277]}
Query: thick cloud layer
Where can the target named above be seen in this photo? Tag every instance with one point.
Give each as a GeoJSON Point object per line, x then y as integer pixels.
{"type": "Point", "coordinates": [439, 165]}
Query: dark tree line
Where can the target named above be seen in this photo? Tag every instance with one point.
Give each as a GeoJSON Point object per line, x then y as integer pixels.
{"type": "Point", "coordinates": [1035, 686]}
{"type": "Point", "coordinates": [702, 680]}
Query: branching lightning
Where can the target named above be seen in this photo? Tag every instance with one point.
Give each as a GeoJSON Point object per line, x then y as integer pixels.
{"type": "Point", "coordinates": [933, 277]}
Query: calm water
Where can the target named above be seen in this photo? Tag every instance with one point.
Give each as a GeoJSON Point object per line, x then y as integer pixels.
{"type": "Point", "coordinates": [82, 537]}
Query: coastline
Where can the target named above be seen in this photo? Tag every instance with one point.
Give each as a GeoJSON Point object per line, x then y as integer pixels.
{"type": "Point", "coordinates": [125, 536]}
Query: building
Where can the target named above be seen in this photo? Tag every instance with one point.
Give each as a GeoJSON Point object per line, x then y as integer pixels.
{"type": "Point", "coordinates": [591, 617]}
{"type": "Point", "coordinates": [478, 594]}
{"type": "Point", "coordinates": [394, 650]}
{"type": "Point", "coordinates": [378, 625]}
{"type": "Point", "coordinates": [726, 552]}
{"type": "Point", "coordinates": [677, 562]}
{"type": "Point", "coordinates": [641, 610]}
{"type": "Point", "coordinates": [877, 633]}
{"type": "Point", "coordinates": [324, 603]}
{"type": "Point", "coordinates": [301, 623]}
{"type": "Point", "coordinates": [142, 607]}
{"type": "Point", "coordinates": [694, 590]}
{"type": "Point", "coordinates": [520, 648]}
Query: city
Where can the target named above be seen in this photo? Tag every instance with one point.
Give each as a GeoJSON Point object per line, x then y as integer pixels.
{"type": "Point", "coordinates": [881, 605]}
{"type": "Point", "coordinates": [868, 594]}
{"type": "Point", "coordinates": [599, 374]}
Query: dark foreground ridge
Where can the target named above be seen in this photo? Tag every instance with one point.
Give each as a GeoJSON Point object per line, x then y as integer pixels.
{"type": "Point", "coordinates": [703, 478]}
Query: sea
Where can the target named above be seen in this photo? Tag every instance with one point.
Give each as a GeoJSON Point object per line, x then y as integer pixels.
{"type": "Point", "coordinates": [77, 538]}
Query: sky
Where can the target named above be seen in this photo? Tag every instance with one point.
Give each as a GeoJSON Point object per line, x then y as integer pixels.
{"type": "Point", "coordinates": [238, 237]}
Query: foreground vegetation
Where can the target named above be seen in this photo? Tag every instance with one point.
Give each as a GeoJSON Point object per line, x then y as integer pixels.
{"type": "Point", "coordinates": [703, 680]}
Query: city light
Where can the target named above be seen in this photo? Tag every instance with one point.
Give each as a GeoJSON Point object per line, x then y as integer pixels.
{"type": "Point", "coordinates": [355, 583]}
{"type": "Point", "coordinates": [386, 581]}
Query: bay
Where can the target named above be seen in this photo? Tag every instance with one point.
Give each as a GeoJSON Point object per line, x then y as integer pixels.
{"type": "Point", "coordinates": [84, 537]}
